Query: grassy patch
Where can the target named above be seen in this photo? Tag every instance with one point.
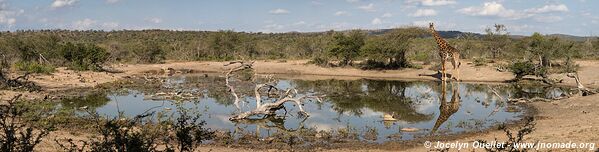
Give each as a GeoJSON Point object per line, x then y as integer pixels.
{"type": "Point", "coordinates": [34, 67]}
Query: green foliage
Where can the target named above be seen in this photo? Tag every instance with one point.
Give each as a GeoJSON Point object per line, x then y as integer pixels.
{"type": "Point", "coordinates": [150, 53]}
{"type": "Point", "coordinates": [154, 46]}
{"type": "Point", "coordinates": [498, 39]}
{"type": "Point", "coordinates": [142, 133]}
{"type": "Point", "coordinates": [596, 44]}
{"type": "Point", "coordinates": [389, 51]}
{"type": "Point", "coordinates": [84, 56]}
{"type": "Point", "coordinates": [346, 47]}
{"type": "Point", "coordinates": [34, 67]}
{"type": "Point", "coordinates": [480, 61]}
{"type": "Point", "coordinates": [320, 61]}
{"type": "Point", "coordinates": [190, 132]}
{"type": "Point", "coordinates": [523, 68]}
{"type": "Point", "coordinates": [514, 141]}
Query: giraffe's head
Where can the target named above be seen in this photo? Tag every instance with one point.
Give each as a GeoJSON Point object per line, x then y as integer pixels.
{"type": "Point", "coordinates": [431, 26]}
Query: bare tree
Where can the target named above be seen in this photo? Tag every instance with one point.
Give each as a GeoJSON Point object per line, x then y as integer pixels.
{"type": "Point", "coordinates": [277, 95]}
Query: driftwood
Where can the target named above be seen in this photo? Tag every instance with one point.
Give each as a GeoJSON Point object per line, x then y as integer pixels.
{"type": "Point", "coordinates": [585, 91]}
{"type": "Point", "coordinates": [18, 83]}
{"type": "Point", "coordinates": [264, 109]}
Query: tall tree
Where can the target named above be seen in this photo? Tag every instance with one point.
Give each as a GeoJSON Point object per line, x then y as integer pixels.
{"type": "Point", "coordinates": [392, 47]}
{"type": "Point", "coordinates": [498, 38]}
{"type": "Point", "coordinates": [346, 47]}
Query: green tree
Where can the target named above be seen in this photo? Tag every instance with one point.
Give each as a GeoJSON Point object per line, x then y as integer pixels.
{"type": "Point", "coordinates": [346, 47]}
{"type": "Point", "coordinates": [498, 39]}
{"type": "Point", "coordinates": [596, 46]}
{"type": "Point", "coordinates": [223, 45]}
{"type": "Point", "coordinates": [84, 56]}
{"type": "Point", "coordinates": [151, 52]}
{"type": "Point", "coordinates": [392, 47]}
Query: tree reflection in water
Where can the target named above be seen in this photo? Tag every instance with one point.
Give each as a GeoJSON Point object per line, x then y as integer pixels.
{"type": "Point", "coordinates": [385, 106]}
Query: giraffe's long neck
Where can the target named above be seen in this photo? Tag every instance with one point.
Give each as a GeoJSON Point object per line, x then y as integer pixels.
{"type": "Point", "coordinates": [438, 38]}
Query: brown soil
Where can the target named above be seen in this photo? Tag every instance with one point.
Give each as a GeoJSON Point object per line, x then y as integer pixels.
{"type": "Point", "coordinates": [572, 119]}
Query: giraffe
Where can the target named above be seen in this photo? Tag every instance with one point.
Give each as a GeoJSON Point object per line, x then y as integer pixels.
{"type": "Point", "coordinates": [446, 109]}
{"type": "Point", "coordinates": [445, 52]}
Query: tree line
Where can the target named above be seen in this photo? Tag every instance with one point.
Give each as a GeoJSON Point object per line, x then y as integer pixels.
{"type": "Point", "coordinates": [396, 48]}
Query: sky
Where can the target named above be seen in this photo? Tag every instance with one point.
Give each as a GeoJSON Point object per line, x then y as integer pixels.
{"type": "Point", "coordinates": [522, 17]}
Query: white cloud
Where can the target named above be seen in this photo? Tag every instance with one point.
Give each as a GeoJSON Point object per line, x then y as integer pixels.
{"type": "Point", "coordinates": [63, 3]}
{"type": "Point", "coordinates": [110, 25]}
{"type": "Point", "coordinates": [316, 3]}
{"type": "Point", "coordinates": [299, 23]}
{"type": "Point", "coordinates": [387, 15]}
{"type": "Point", "coordinates": [433, 2]}
{"type": "Point", "coordinates": [154, 20]}
{"type": "Point", "coordinates": [112, 1]}
{"type": "Point", "coordinates": [352, 1]}
{"type": "Point", "coordinates": [275, 26]}
{"type": "Point", "coordinates": [549, 9]}
{"type": "Point", "coordinates": [421, 23]}
{"type": "Point", "coordinates": [341, 13]}
{"type": "Point", "coordinates": [438, 24]}
{"type": "Point", "coordinates": [367, 8]}
{"type": "Point", "coordinates": [336, 26]}
{"type": "Point", "coordinates": [84, 24]}
{"type": "Point", "coordinates": [376, 21]}
{"type": "Point", "coordinates": [493, 9]}
{"type": "Point", "coordinates": [424, 12]}
{"type": "Point", "coordinates": [8, 16]}
{"type": "Point", "coordinates": [548, 19]}
{"type": "Point", "coordinates": [279, 11]}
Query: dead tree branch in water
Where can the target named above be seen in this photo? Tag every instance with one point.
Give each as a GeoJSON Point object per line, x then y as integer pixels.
{"type": "Point", "coordinates": [264, 109]}
{"type": "Point", "coordinates": [585, 91]}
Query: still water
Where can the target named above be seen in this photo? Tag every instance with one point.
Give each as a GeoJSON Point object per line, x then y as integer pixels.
{"type": "Point", "coordinates": [382, 107]}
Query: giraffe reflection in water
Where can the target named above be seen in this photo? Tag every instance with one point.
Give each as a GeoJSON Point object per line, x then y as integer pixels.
{"type": "Point", "coordinates": [446, 109]}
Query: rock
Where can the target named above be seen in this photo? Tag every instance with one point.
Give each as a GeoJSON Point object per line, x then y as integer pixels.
{"type": "Point", "coordinates": [388, 117]}
{"type": "Point", "coordinates": [410, 129]}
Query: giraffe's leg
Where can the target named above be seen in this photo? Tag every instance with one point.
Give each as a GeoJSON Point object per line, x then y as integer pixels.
{"type": "Point", "coordinates": [443, 72]}
{"type": "Point", "coordinates": [455, 62]}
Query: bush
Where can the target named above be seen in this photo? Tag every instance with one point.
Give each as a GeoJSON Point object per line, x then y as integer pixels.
{"type": "Point", "coordinates": [142, 134]}
{"type": "Point", "coordinates": [18, 132]}
{"type": "Point", "coordinates": [320, 61]}
{"type": "Point", "coordinates": [84, 56]}
{"type": "Point", "coordinates": [151, 53]}
{"type": "Point", "coordinates": [34, 67]}
{"type": "Point", "coordinates": [480, 61]}
{"type": "Point", "coordinates": [523, 68]}
{"type": "Point", "coordinates": [372, 65]}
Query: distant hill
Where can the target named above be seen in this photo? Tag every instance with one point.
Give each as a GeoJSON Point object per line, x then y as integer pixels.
{"type": "Point", "coordinates": [458, 34]}
{"type": "Point", "coordinates": [444, 34]}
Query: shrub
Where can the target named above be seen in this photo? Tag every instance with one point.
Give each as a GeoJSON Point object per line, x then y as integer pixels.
{"type": "Point", "coordinates": [142, 134]}
{"type": "Point", "coordinates": [512, 139]}
{"type": "Point", "coordinates": [34, 67]}
{"type": "Point", "coordinates": [372, 65]}
{"type": "Point", "coordinates": [84, 56]}
{"type": "Point", "coordinates": [18, 132]}
{"type": "Point", "coordinates": [190, 132]}
{"type": "Point", "coordinates": [523, 68]}
{"type": "Point", "coordinates": [151, 53]}
{"type": "Point", "coordinates": [480, 61]}
{"type": "Point", "coordinates": [320, 61]}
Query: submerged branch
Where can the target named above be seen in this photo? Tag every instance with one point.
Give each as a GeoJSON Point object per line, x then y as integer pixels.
{"type": "Point", "coordinates": [265, 109]}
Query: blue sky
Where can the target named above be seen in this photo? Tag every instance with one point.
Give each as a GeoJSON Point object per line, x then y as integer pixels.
{"type": "Point", "coordinates": [575, 17]}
